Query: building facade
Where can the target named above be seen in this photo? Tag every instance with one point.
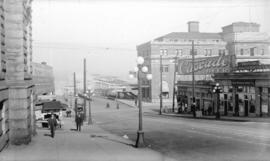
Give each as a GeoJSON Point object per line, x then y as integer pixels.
{"type": "Point", "coordinates": [17, 78]}
{"type": "Point", "coordinates": [238, 42]}
{"type": "Point", "coordinates": [246, 90]}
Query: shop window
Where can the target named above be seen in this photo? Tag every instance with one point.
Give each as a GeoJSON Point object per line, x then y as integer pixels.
{"type": "Point", "coordinates": [230, 89]}
{"type": "Point", "coordinates": [240, 89]}
{"type": "Point", "coordinates": [226, 89]}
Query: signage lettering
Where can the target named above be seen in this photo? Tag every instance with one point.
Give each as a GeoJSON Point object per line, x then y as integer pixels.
{"type": "Point", "coordinates": [204, 65]}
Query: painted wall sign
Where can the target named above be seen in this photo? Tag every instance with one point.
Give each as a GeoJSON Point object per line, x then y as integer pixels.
{"type": "Point", "coordinates": [209, 65]}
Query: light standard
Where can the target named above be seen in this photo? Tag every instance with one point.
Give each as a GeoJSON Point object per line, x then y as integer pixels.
{"type": "Point", "coordinates": [217, 89]}
{"type": "Point", "coordinates": [141, 70]}
{"type": "Point", "coordinates": [163, 52]}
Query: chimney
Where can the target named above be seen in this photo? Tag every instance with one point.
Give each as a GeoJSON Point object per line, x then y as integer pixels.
{"type": "Point", "coordinates": [193, 26]}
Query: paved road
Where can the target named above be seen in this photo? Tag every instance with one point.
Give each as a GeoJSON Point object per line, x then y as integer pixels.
{"type": "Point", "coordinates": [188, 139]}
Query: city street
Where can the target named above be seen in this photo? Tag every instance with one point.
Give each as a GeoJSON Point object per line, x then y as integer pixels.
{"type": "Point", "coordinates": [185, 138]}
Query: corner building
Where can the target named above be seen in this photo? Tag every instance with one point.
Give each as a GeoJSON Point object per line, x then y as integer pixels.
{"type": "Point", "coordinates": [238, 42]}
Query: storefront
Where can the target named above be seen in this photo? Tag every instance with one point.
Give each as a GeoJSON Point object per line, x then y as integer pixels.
{"type": "Point", "coordinates": [202, 93]}
{"type": "Point", "coordinates": [244, 93]}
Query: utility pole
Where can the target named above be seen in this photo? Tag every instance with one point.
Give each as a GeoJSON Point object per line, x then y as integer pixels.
{"type": "Point", "coordinates": [175, 66]}
{"type": "Point", "coordinates": [84, 88]}
{"type": "Point", "coordinates": [90, 115]}
{"type": "Point", "coordinates": [75, 92]}
{"type": "Point", "coordinates": [193, 81]}
{"type": "Point", "coordinates": [160, 96]}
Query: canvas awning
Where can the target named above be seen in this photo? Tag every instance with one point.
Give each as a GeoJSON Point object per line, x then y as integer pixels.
{"type": "Point", "coordinates": [51, 106]}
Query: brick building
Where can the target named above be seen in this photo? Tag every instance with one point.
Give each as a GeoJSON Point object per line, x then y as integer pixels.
{"type": "Point", "coordinates": [238, 42]}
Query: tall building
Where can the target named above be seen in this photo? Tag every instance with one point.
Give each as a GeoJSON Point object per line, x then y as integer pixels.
{"type": "Point", "coordinates": [218, 52]}
{"type": "Point", "coordinates": [19, 84]}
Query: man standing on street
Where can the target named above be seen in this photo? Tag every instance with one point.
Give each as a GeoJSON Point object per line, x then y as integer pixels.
{"type": "Point", "coordinates": [52, 124]}
{"type": "Point", "coordinates": [78, 120]}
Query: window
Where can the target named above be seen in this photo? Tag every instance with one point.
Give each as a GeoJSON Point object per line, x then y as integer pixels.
{"type": "Point", "coordinates": [195, 51]}
{"type": "Point", "coordinates": [252, 51]}
{"type": "Point", "coordinates": [241, 51]}
{"type": "Point", "coordinates": [163, 52]}
{"type": "Point", "coordinates": [179, 52]}
{"type": "Point", "coordinates": [221, 52]}
{"type": "Point", "coordinates": [165, 68]}
{"type": "Point", "coordinates": [208, 52]}
{"type": "Point", "coordinates": [262, 51]}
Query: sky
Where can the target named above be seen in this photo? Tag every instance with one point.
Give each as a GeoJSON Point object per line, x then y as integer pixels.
{"type": "Point", "coordinates": [106, 32]}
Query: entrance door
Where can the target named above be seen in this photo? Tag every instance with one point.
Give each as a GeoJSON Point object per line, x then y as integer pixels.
{"type": "Point", "coordinates": [236, 110]}
{"type": "Point", "coordinates": [225, 104]}
{"type": "Point", "coordinates": [246, 107]}
{"type": "Point", "coordinates": [225, 108]}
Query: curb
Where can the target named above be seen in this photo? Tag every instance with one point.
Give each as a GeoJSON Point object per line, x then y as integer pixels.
{"type": "Point", "coordinates": [204, 118]}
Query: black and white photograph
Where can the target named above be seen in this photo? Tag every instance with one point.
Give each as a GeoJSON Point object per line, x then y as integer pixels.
{"type": "Point", "coordinates": [135, 80]}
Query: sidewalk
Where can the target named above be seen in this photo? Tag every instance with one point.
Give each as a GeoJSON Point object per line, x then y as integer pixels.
{"type": "Point", "coordinates": [151, 107]}
{"type": "Point", "coordinates": [92, 143]}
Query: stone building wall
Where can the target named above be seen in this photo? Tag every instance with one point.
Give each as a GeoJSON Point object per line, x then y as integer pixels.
{"type": "Point", "coordinates": [17, 23]}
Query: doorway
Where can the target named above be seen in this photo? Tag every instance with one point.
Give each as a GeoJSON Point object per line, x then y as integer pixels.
{"type": "Point", "coordinates": [246, 107]}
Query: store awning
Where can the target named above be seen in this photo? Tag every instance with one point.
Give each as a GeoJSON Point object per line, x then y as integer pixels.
{"type": "Point", "coordinates": [51, 106]}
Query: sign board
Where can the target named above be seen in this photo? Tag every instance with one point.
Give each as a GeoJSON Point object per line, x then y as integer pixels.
{"type": "Point", "coordinates": [206, 65]}
{"type": "Point", "coordinates": [248, 63]}
{"type": "Point", "coordinates": [243, 83]}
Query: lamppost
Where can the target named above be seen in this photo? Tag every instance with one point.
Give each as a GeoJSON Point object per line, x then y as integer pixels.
{"type": "Point", "coordinates": [141, 71]}
{"type": "Point", "coordinates": [217, 89]}
{"type": "Point", "coordinates": [163, 52]}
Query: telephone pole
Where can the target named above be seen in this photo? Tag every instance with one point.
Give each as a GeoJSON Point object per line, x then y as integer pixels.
{"type": "Point", "coordinates": [193, 81]}
{"type": "Point", "coordinates": [84, 88]}
{"type": "Point", "coordinates": [75, 92]}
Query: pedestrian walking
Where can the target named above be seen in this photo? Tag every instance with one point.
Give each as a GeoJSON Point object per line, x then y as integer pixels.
{"type": "Point", "coordinates": [79, 120]}
{"type": "Point", "coordinates": [136, 101]}
{"type": "Point", "coordinates": [52, 124]}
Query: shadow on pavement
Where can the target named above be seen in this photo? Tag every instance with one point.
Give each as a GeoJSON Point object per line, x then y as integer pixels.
{"type": "Point", "coordinates": [106, 138]}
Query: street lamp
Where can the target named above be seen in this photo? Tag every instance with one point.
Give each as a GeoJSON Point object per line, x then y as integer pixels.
{"type": "Point", "coordinates": [163, 52]}
{"type": "Point", "coordinates": [141, 70]}
{"type": "Point", "coordinates": [217, 89]}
